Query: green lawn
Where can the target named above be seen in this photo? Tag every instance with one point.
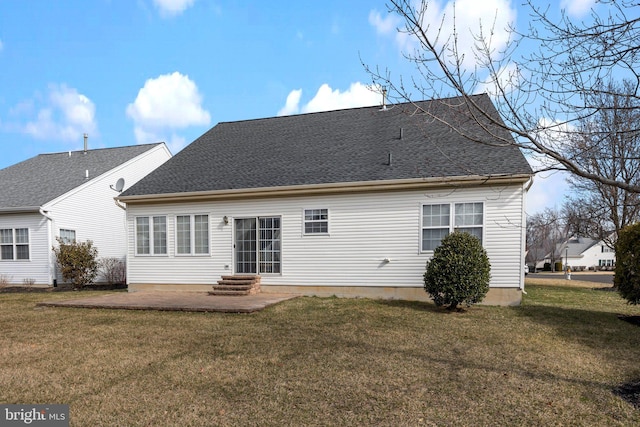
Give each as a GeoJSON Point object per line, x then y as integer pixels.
{"type": "Point", "coordinates": [311, 361]}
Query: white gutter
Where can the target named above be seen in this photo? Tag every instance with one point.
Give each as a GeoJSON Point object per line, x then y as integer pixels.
{"type": "Point", "coordinates": [43, 213]}
{"type": "Point", "coordinates": [340, 187]}
{"type": "Point", "coordinates": [124, 208]}
{"type": "Point", "coordinates": [21, 209]}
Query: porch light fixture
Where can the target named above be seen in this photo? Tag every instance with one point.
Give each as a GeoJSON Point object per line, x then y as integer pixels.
{"type": "Point", "coordinates": [226, 220]}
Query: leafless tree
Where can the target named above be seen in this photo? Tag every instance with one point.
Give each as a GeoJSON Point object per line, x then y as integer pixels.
{"type": "Point", "coordinates": [545, 231]}
{"type": "Point", "coordinates": [542, 96]}
{"type": "Point", "coordinates": [607, 144]}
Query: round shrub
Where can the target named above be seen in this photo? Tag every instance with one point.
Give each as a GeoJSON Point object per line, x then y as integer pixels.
{"type": "Point", "coordinates": [459, 271]}
{"type": "Point", "coordinates": [627, 273]}
{"type": "Point", "coordinates": [77, 261]}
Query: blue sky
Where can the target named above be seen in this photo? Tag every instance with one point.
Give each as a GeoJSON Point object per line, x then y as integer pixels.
{"type": "Point", "coordinates": [129, 72]}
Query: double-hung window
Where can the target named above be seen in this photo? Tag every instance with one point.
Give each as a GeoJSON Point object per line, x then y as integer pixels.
{"type": "Point", "coordinates": [14, 244]}
{"type": "Point", "coordinates": [151, 235]}
{"type": "Point", "coordinates": [316, 221]}
{"type": "Point", "coordinates": [438, 220]}
{"type": "Point", "coordinates": [192, 234]}
{"type": "Point", "coordinates": [468, 218]}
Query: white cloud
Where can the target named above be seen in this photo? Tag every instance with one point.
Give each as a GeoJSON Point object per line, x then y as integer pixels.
{"type": "Point", "coordinates": [164, 104]}
{"type": "Point", "coordinates": [172, 7]}
{"type": "Point", "coordinates": [577, 8]}
{"type": "Point", "coordinates": [358, 95]}
{"type": "Point", "coordinates": [65, 116]}
{"type": "Point", "coordinates": [384, 25]}
{"type": "Point", "coordinates": [291, 106]}
{"type": "Point", "coordinates": [506, 78]}
{"type": "Point", "coordinates": [492, 17]}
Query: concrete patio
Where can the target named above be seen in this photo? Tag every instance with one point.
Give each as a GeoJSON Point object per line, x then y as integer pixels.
{"type": "Point", "coordinates": [175, 301]}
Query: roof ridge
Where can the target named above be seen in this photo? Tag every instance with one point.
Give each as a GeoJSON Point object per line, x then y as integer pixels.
{"type": "Point", "coordinates": [388, 106]}
{"type": "Point", "coordinates": [99, 149]}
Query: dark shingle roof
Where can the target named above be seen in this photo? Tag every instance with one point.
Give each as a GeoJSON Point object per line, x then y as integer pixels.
{"type": "Point", "coordinates": [351, 145]}
{"type": "Point", "coordinates": [42, 178]}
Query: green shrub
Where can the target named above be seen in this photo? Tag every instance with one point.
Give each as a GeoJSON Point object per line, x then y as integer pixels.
{"type": "Point", "coordinates": [78, 261]}
{"type": "Point", "coordinates": [627, 271]}
{"type": "Point", "coordinates": [459, 271]}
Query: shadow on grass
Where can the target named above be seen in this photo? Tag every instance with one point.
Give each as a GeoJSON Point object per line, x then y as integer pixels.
{"type": "Point", "coordinates": [604, 331]}
{"type": "Point", "coordinates": [415, 305]}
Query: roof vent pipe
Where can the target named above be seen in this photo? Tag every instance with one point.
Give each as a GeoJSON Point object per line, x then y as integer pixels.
{"type": "Point", "coordinates": [390, 159]}
{"type": "Point", "coordinates": [86, 137]}
{"type": "Point", "coordinates": [401, 133]}
{"type": "Point", "coordinates": [86, 174]}
{"type": "Point", "coordinates": [384, 98]}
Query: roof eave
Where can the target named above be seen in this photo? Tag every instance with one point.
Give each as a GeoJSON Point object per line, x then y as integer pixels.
{"type": "Point", "coordinates": [328, 188]}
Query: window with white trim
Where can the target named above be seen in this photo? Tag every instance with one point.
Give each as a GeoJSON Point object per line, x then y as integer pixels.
{"type": "Point", "coordinates": [67, 236]}
{"type": "Point", "coordinates": [14, 244]}
{"type": "Point", "coordinates": [435, 225]}
{"type": "Point", "coordinates": [192, 234]}
{"type": "Point", "coordinates": [469, 218]}
{"type": "Point", "coordinates": [151, 235]}
{"type": "Point", "coordinates": [316, 221]}
{"type": "Point", "coordinates": [438, 220]}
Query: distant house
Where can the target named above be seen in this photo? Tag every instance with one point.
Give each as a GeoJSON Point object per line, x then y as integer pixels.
{"type": "Point", "coordinates": [68, 195]}
{"type": "Point", "coordinates": [582, 253]}
{"type": "Point", "coordinates": [348, 203]}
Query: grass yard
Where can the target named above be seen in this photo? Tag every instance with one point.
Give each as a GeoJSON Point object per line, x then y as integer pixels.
{"type": "Point", "coordinates": [311, 361]}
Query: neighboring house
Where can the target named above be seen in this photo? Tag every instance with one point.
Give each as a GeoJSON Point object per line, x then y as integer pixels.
{"type": "Point", "coordinates": [582, 253]}
{"type": "Point", "coordinates": [68, 195]}
{"type": "Point", "coordinates": [348, 203]}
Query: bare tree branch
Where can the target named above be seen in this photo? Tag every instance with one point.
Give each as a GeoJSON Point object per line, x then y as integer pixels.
{"type": "Point", "coordinates": [542, 98]}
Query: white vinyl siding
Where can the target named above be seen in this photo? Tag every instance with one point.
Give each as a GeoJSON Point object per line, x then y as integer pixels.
{"type": "Point", "coordinates": [365, 228]}
{"type": "Point", "coordinates": [90, 209]}
{"type": "Point", "coordinates": [192, 234]}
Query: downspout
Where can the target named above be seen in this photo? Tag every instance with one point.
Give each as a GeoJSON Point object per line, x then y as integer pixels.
{"type": "Point", "coordinates": [523, 234]}
{"type": "Point", "coordinates": [117, 202]}
{"type": "Point", "coordinates": [45, 215]}
{"type": "Point", "coordinates": [49, 244]}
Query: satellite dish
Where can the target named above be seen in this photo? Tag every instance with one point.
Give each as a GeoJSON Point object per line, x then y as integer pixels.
{"type": "Point", "coordinates": [119, 185]}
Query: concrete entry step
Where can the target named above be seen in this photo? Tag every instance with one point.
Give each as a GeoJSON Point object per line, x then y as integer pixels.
{"type": "Point", "coordinates": [237, 285]}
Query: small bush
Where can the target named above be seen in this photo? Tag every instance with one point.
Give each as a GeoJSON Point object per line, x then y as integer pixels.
{"type": "Point", "coordinates": [28, 282]}
{"type": "Point", "coordinates": [627, 271]}
{"type": "Point", "coordinates": [78, 261]}
{"type": "Point", "coordinates": [113, 270]}
{"type": "Point", "coordinates": [4, 280]}
{"type": "Point", "coordinates": [459, 271]}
